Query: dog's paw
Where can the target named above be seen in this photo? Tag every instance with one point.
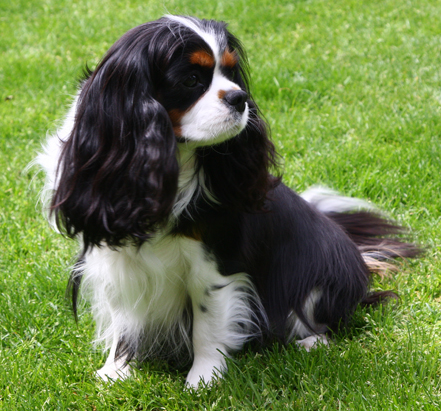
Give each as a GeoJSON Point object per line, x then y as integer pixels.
{"type": "Point", "coordinates": [111, 372]}
{"type": "Point", "coordinates": [204, 374]}
{"type": "Point", "coordinates": [312, 341]}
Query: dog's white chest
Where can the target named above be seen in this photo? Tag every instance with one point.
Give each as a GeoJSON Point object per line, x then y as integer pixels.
{"type": "Point", "coordinates": [145, 287]}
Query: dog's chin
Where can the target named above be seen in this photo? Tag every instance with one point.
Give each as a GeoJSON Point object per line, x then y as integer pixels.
{"type": "Point", "coordinates": [220, 138]}
{"type": "Point", "coordinates": [215, 133]}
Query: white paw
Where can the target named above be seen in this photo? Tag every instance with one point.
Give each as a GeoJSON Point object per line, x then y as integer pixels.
{"type": "Point", "coordinates": [204, 373]}
{"type": "Point", "coordinates": [111, 372]}
{"type": "Point", "coordinates": [312, 341]}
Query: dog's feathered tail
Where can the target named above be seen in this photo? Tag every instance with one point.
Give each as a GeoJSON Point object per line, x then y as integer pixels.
{"type": "Point", "coordinates": [380, 241]}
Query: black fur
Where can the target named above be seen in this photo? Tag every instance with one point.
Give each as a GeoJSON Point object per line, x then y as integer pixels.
{"type": "Point", "coordinates": [289, 250]}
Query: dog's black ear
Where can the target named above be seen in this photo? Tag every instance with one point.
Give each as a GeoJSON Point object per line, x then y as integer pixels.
{"type": "Point", "coordinates": [117, 175]}
{"type": "Point", "coordinates": [240, 171]}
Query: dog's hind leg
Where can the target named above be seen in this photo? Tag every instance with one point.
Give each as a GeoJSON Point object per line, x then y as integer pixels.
{"type": "Point", "coordinates": [310, 337]}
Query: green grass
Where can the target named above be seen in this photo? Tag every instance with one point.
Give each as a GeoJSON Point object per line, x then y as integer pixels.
{"type": "Point", "coordinates": [352, 91]}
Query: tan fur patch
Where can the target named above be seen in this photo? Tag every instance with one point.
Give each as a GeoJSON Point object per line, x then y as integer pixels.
{"type": "Point", "coordinates": [229, 58]}
{"type": "Point", "coordinates": [202, 58]}
{"type": "Point", "coordinates": [177, 130]}
{"type": "Point", "coordinates": [175, 117]}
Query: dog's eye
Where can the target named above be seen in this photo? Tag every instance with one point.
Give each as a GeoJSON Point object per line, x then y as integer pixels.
{"type": "Point", "coordinates": [191, 81]}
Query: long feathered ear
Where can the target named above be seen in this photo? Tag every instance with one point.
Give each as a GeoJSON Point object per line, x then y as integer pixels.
{"type": "Point", "coordinates": [117, 174]}
{"type": "Point", "coordinates": [239, 171]}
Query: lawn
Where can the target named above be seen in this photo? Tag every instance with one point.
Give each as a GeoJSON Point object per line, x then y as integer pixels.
{"type": "Point", "coordinates": [352, 92]}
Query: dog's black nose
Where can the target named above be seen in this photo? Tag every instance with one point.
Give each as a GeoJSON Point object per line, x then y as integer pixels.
{"type": "Point", "coordinates": [236, 99]}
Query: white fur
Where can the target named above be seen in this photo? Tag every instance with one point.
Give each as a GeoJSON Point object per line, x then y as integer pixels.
{"type": "Point", "coordinates": [141, 295]}
{"type": "Point", "coordinates": [296, 326]}
{"type": "Point", "coordinates": [48, 159]}
{"type": "Point", "coordinates": [312, 341]}
{"type": "Point", "coordinates": [328, 201]}
{"type": "Point", "coordinates": [208, 36]}
{"type": "Point", "coordinates": [114, 369]}
{"type": "Point", "coordinates": [189, 183]}
{"type": "Point", "coordinates": [309, 338]}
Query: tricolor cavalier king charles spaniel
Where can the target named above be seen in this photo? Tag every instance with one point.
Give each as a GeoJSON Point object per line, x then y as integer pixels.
{"type": "Point", "coordinates": [190, 244]}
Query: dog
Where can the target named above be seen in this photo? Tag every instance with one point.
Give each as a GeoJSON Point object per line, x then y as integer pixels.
{"type": "Point", "coordinates": [191, 245]}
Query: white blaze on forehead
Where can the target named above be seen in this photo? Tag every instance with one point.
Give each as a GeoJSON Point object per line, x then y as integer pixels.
{"type": "Point", "coordinates": [208, 36]}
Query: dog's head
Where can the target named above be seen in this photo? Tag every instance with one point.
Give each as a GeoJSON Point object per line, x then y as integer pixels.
{"type": "Point", "coordinates": [177, 80]}
{"type": "Point", "coordinates": [202, 87]}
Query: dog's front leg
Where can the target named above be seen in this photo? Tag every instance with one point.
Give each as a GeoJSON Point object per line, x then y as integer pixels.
{"type": "Point", "coordinates": [222, 320]}
{"type": "Point", "coordinates": [115, 367]}
{"type": "Point", "coordinates": [209, 348]}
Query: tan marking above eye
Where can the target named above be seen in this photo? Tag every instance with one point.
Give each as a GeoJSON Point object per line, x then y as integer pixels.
{"type": "Point", "coordinates": [202, 58]}
{"type": "Point", "coordinates": [229, 58]}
